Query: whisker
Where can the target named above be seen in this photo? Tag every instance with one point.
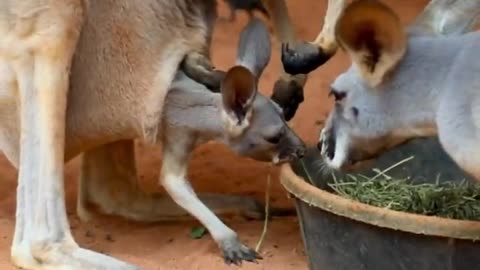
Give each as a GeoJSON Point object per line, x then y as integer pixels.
{"type": "Point", "coordinates": [321, 168]}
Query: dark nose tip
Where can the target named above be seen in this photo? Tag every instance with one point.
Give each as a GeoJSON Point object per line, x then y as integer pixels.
{"type": "Point", "coordinates": [301, 152]}
{"type": "Point", "coordinates": [330, 147]}
{"type": "Point", "coordinates": [319, 146]}
{"type": "Point", "coordinates": [326, 146]}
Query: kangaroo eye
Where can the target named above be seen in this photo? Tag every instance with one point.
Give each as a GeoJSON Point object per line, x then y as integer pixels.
{"type": "Point", "coordinates": [355, 112]}
{"type": "Point", "coordinates": [274, 139]}
{"type": "Point", "coordinates": [337, 94]}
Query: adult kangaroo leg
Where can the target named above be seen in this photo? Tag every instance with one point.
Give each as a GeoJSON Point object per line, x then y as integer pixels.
{"type": "Point", "coordinates": [299, 57]}
{"type": "Point", "coordinates": [44, 34]}
{"type": "Point", "coordinates": [304, 57]}
{"type": "Point", "coordinates": [439, 17]}
{"type": "Point", "coordinates": [109, 180]}
{"type": "Point", "coordinates": [288, 89]}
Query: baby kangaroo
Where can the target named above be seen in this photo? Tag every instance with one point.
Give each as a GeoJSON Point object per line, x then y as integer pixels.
{"type": "Point", "coordinates": [401, 86]}
{"type": "Point", "coordinates": [245, 120]}
{"type": "Point", "coordinates": [240, 117]}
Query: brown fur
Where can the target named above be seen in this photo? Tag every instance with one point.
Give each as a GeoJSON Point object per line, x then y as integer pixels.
{"type": "Point", "coordinates": [122, 54]}
{"type": "Point", "coordinates": [113, 60]}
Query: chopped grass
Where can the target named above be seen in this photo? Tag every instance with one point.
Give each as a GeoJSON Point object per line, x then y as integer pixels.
{"type": "Point", "coordinates": [454, 200]}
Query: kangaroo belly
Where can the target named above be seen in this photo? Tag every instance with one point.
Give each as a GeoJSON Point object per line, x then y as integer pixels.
{"type": "Point", "coordinates": [125, 61]}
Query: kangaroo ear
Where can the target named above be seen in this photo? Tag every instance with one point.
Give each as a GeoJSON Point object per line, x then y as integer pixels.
{"type": "Point", "coordinates": [373, 36]}
{"type": "Point", "coordinates": [239, 89]}
{"type": "Point", "coordinates": [254, 47]}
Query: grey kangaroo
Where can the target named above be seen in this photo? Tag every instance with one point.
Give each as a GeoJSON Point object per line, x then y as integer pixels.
{"type": "Point", "coordinates": [90, 77]}
{"type": "Point", "coordinates": [402, 84]}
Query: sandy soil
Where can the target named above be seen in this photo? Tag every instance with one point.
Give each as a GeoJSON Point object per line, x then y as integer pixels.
{"type": "Point", "coordinates": [214, 169]}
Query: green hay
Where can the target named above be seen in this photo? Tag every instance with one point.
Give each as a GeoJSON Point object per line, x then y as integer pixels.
{"type": "Point", "coordinates": [450, 200]}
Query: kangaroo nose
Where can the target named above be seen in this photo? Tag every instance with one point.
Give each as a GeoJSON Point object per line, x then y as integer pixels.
{"type": "Point", "coordinates": [319, 146]}
{"type": "Point", "coordinates": [326, 146]}
{"type": "Point", "coordinates": [301, 152]}
{"type": "Point", "coordinates": [330, 147]}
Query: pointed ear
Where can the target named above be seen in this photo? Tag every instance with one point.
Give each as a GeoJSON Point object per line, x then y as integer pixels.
{"type": "Point", "coordinates": [254, 47]}
{"type": "Point", "coordinates": [239, 89]}
{"type": "Point", "coordinates": [373, 36]}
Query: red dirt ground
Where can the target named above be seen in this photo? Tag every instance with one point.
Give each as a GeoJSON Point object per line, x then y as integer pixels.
{"type": "Point", "coordinates": [214, 169]}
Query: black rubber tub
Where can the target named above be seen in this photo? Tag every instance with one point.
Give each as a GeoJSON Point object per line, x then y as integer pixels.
{"type": "Point", "coordinates": [341, 234]}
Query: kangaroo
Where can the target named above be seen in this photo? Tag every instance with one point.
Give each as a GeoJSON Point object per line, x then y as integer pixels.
{"type": "Point", "coordinates": [299, 58]}
{"type": "Point", "coordinates": [92, 76]}
{"type": "Point", "coordinates": [401, 86]}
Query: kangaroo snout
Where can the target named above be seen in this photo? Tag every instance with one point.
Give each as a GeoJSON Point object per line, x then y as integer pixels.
{"type": "Point", "coordinates": [297, 151]}
{"type": "Point", "coordinates": [300, 149]}
{"type": "Point", "coordinates": [327, 144]}
{"type": "Point", "coordinates": [291, 148]}
{"type": "Point", "coordinates": [300, 153]}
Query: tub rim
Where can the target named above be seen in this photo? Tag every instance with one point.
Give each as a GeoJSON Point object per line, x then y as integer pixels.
{"type": "Point", "coordinates": [386, 218]}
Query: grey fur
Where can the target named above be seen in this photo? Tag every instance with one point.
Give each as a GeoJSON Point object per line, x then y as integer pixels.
{"type": "Point", "coordinates": [432, 91]}
{"type": "Point", "coordinates": [193, 116]}
{"type": "Point", "coordinates": [190, 106]}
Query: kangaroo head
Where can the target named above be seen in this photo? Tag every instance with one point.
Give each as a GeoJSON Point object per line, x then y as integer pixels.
{"type": "Point", "coordinates": [254, 126]}
{"type": "Point", "coordinates": [361, 125]}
